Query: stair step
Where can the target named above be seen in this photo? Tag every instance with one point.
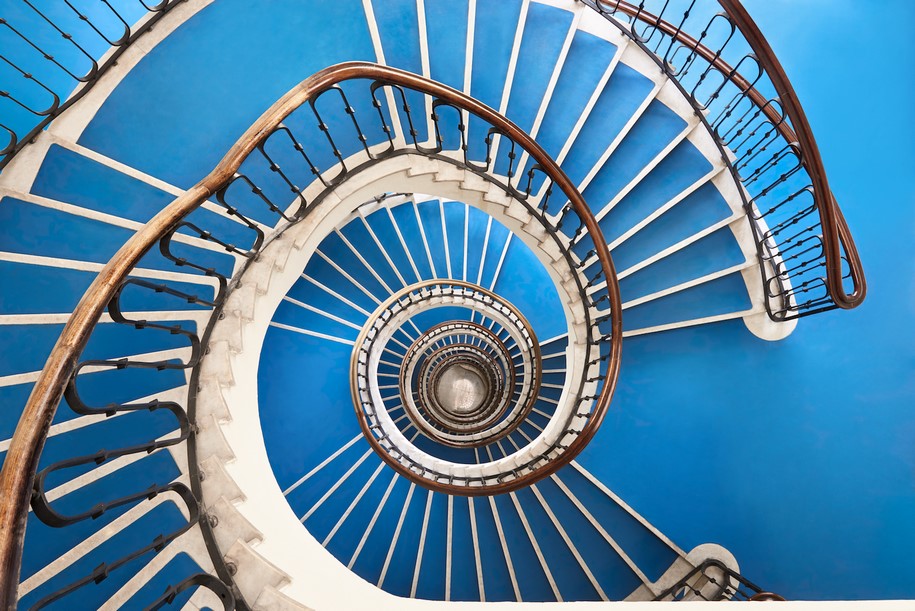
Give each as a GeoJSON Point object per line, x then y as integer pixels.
{"type": "Point", "coordinates": [253, 574]}
{"type": "Point", "coordinates": [546, 30]}
{"type": "Point", "coordinates": [217, 483]}
{"type": "Point", "coordinates": [230, 525]}
{"type": "Point", "coordinates": [624, 92]}
{"type": "Point", "coordinates": [211, 441]}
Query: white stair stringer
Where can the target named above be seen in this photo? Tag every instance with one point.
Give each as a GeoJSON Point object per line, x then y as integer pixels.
{"type": "Point", "coordinates": [210, 402]}
{"type": "Point", "coordinates": [217, 484]}
{"type": "Point", "coordinates": [211, 442]}
{"type": "Point", "coordinates": [228, 525]}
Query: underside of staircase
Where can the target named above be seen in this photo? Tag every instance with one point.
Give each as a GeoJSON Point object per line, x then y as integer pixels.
{"type": "Point", "coordinates": [395, 303]}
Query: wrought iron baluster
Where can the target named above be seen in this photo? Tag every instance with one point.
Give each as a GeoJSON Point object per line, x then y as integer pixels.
{"type": "Point", "coordinates": [101, 572]}
{"type": "Point", "coordinates": [55, 102]}
{"type": "Point", "coordinates": [200, 580]}
{"type": "Point", "coordinates": [93, 71]}
{"type": "Point", "coordinates": [125, 35]}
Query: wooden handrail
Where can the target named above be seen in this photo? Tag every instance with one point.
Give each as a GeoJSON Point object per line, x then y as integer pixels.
{"type": "Point", "coordinates": [836, 234]}
{"type": "Point", "coordinates": [22, 458]}
{"type": "Point", "coordinates": [835, 229]}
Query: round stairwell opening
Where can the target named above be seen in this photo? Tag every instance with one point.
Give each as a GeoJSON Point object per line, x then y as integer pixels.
{"type": "Point", "coordinates": [468, 268]}
{"type": "Point", "coordinates": [460, 389]}
{"type": "Point", "coordinates": [441, 349]}
{"type": "Point", "coordinates": [451, 385]}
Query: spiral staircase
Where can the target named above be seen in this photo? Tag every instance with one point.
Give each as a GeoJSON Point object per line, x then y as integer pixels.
{"type": "Point", "coordinates": [361, 357]}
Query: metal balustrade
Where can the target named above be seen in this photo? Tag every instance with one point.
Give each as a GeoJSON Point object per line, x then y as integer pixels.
{"type": "Point", "coordinates": [80, 28]}
{"type": "Point", "coordinates": [723, 65]}
{"type": "Point", "coordinates": [712, 580]}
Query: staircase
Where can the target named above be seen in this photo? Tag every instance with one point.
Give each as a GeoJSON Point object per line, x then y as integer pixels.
{"type": "Point", "coordinates": [370, 230]}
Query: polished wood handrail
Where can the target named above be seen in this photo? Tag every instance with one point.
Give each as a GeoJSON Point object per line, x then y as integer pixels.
{"type": "Point", "coordinates": [836, 234]}
{"type": "Point", "coordinates": [21, 462]}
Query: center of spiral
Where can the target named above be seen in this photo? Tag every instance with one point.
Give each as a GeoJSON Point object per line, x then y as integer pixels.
{"type": "Point", "coordinates": [460, 389]}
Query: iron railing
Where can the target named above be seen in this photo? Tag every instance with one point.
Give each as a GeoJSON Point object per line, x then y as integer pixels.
{"type": "Point", "coordinates": [723, 65]}
{"type": "Point", "coordinates": [332, 126]}
{"type": "Point", "coordinates": [92, 37]}
{"type": "Point", "coordinates": [808, 259]}
{"type": "Point", "coordinates": [712, 580]}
